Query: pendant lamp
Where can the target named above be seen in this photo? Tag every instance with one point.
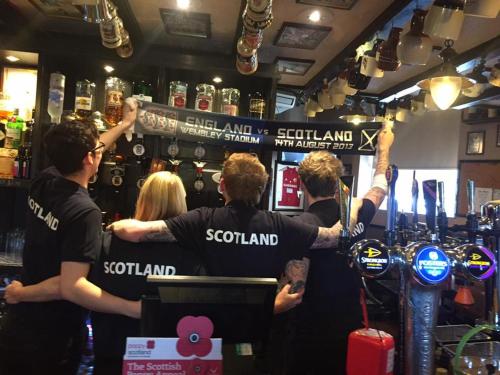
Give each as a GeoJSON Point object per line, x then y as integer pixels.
{"type": "Point", "coordinates": [445, 19]}
{"type": "Point", "coordinates": [446, 84]}
{"type": "Point", "coordinates": [415, 47]}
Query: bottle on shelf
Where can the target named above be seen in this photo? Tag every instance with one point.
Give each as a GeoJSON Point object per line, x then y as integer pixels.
{"type": "Point", "coordinates": [56, 97]}
{"type": "Point", "coordinates": [84, 98]}
{"type": "Point", "coordinates": [25, 149]}
{"type": "Point", "coordinates": [230, 101]}
{"type": "Point", "coordinates": [13, 134]}
{"type": "Point", "coordinates": [204, 97]}
{"type": "Point", "coordinates": [116, 92]}
{"type": "Point", "coordinates": [2, 133]}
{"type": "Point", "coordinates": [110, 27]}
{"type": "Point", "coordinates": [257, 105]}
{"type": "Point", "coordinates": [178, 94]}
{"type": "Point", "coordinates": [143, 91]}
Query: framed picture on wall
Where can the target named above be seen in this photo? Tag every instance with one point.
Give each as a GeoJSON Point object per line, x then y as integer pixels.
{"type": "Point", "coordinates": [297, 67]}
{"type": "Point", "coordinates": [475, 143]}
{"type": "Point", "coordinates": [287, 195]}
{"type": "Point", "coordinates": [301, 35]}
{"type": "Point", "coordinates": [498, 135]}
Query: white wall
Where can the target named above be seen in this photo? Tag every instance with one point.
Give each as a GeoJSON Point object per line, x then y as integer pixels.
{"type": "Point", "coordinates": [429, 141]}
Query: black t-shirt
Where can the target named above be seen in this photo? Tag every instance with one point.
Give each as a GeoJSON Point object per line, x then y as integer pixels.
{"type": "Point", "coordinates": [63, 224]}
{"type": "Point", "coordinates": [239, 240]}
{"type": "Point", "coordinates": [121, 269]}
{"type": "Point", "coordinates": [332, 285]}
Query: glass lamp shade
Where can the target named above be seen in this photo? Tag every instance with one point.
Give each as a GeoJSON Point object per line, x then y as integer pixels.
{"type": "Point", "coordinates": [429, 104]}
{"type": "Point", "coordinates": [445, 90]}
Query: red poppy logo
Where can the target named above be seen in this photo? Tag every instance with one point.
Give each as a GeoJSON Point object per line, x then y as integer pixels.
{"type": "Point", "coordinates": [194, 336]}
{"type": "Point", "coordinates": [150, 344]}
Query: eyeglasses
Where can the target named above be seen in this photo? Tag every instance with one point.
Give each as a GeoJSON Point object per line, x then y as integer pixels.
{"type": "Point", "coordinates": [98, 147]}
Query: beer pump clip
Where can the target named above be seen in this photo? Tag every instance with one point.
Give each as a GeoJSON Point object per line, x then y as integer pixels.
{"type": "Point", "coordinates": [199, 184]}
{"type": "Point", "coordinates": [173, 151]}
{"type": "Point", "coordinates": [345, 184]}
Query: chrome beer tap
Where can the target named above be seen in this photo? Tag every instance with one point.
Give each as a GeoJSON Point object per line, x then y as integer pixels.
{"type": "Point", "coordinates": [424, 266]}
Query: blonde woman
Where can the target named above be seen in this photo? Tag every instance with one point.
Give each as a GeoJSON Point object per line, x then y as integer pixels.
{"type": "Point", "coordinates": [123, 266]}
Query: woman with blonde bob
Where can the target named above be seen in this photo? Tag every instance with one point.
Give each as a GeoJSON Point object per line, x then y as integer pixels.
{"type": "Point", "coordinates": [123, 266]}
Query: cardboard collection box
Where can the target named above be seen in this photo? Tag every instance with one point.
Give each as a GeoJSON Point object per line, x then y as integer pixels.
{"type": "Point", "coordinates": [7, 158]}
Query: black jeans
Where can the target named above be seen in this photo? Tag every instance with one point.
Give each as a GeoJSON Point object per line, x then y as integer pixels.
{"type": "Point", "coordinates": [27, 348]}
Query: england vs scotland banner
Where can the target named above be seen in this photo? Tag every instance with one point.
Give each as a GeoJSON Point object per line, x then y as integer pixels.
{"type": "Point", "coordinates": [198, 126]}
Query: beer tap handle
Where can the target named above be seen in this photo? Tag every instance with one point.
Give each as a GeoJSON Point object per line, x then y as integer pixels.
{"type": "Point", "coordinates": [429, 188]}
{"type": "Point", "coordinates": [441, 196]}
{"type": "Point", "coordinates": [345, 184]}
{"type": "Point", "coordinates": [471, 197]}
{"type": "Point", "coordinates": [472, 220]}
{"type": "Point", "coordinates": [391, 174]}
{"type": "Point", "coordinates": [442, 219]}
{"type": "Point", "coordinates": [414, 203]}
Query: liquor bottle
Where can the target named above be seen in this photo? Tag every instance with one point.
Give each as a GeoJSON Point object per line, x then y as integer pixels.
{"type": "Point", "coordinates": [257, 105]}
{"type": "Point", "coordinates": [84, 98]}
{"type": "Point", "coordinates": [56, 97]}
{"type": "Point", "coordinates": [230, 101]}
{"type": "Point", "coordinates": [17, 163]}
{"type": "Point", "coordinates": [178, 94]}
{"type": "Point", "coordinates": [25, 165]}
{"type": "Point", "coordinates": [116, 91]}
{"type": "Point", "coordinates": [126, 48]}
{"type": "Point", "coordinates": [143, 91]}
{"type": "Point", "coordinates": [26, 162]}
{"type": "Point", "coordinates": [110, 27]}
{"type": "Point", "coordinates": [13, 132]}
{"type": "Point", "coordinates": [2, 133]}
{"type": "Point", "coordinates": [204, 97]}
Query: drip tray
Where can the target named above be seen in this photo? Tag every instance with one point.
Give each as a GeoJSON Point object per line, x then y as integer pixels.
{"type": "Point", "coordinates": [452, 334]}
{"type": "Point", "coordinates": [477, 357]}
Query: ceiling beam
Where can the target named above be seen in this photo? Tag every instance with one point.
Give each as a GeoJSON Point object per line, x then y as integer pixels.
{"type": "Point", "coordinates": [490, 49]}
{"type": "Point", "coordinates": [331, 69]}
{"type": "Point", "coordinates": [465, 102]}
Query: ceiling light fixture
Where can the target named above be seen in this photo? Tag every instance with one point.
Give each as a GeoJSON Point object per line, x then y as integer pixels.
{"type": "Point", "coordinates": [446, 84]}
{"type": "Point", "coordinates": [108, 68]}
{"type": "Point", "coordinates": [12, 58]}
{"type": "Point", "coordinates": [358, 114]}
{"type": "Point", "coordinates": [315, 16]}
{"type": "Point", "coordinates": [217, 79]}
{"type": "Point", "coordinates": [183, 4]}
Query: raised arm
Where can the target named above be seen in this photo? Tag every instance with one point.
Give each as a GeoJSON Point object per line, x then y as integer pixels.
{"type": "Point", "coordinates": [329, 237]}
{"type": "Point", "coordinates": [377, 192]}
{"type": "Point", "coordinates": [47, 290]}
{"type": "Point", "coordinates": [141, 231]}
{"type": "Point", "coordinates": [128, 120]}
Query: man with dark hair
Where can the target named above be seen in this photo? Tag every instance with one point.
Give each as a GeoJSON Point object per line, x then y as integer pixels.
{"type": "Point", "coordinates": [331, 307]}
{"type": "Point", "coordinates": [42, 334]}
